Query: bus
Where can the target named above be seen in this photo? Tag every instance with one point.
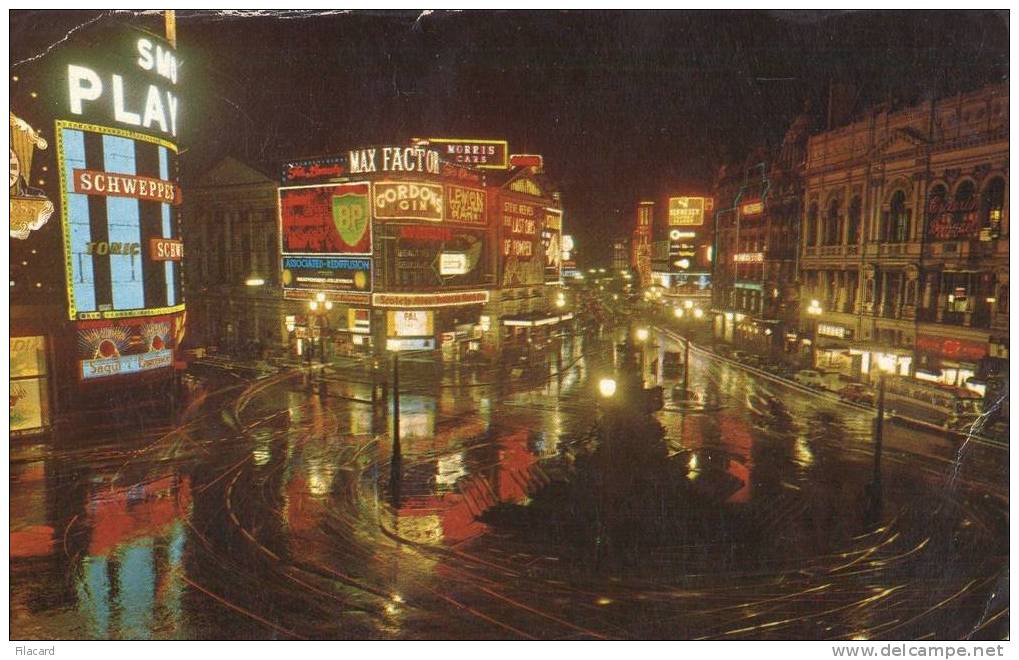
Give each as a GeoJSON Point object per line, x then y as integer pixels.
{"type": "Point", "coordinates": [950, 408]}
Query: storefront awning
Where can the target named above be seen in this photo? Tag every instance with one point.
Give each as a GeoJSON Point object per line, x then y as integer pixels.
{"type": "Point", "coordinates": [535, 319]}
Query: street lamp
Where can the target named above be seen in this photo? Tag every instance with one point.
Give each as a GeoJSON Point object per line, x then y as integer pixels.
{"type": "Point", "coordinates": [607, 387]}
{"type": "Point", "coordinates": [678, 312]}
{"type": "Point", "coordinates": [698, 313]}
{"type": "Point", "coordinates": [319, 308]}
{"type": "Point", "coordinates": [641, 334]}
{"type": "Point", "coordinates": [814, 309]}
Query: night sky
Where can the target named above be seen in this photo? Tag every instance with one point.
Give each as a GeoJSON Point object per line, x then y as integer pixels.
{"type": "Point", "coordinates": [622, 105]}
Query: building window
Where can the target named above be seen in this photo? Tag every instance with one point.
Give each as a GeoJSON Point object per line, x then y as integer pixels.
{"type": "Point", "coordinates": [897, 220]}
{"type": "Point", "coordinates": [812, 225]}
{"type": "Point", "coordinates": [993, 206]}
{"type": "Point", "coordinates": [832, 223]}
{"type": "Point", "coordinates": [964, 196]}
{"type": "Point", "coordinates": [855, 213]}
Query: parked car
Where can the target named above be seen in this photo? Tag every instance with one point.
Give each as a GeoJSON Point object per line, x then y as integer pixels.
{"type": "Point", "coordinates": [810, 378]}
{"type": "Point", "coordinates": [857, 393]}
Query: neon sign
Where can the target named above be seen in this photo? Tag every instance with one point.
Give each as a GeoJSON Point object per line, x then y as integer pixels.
{"type": "Point", "coordinates": [748, 257]}
{"type": "Point", "coordinates": [159, 109]}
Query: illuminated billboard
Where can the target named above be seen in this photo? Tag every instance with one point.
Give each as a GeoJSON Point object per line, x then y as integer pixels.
{"type": "Point", "coordinates": [117, 194]}
{"type": "Point", "coordinates": [482, 154]}
{"type": "Point", "coordinates": [433, 256]}
{"type": "Point", "coordinates": [466, 205]}
{"type": "Point", "coordinates": [323, 273]}
{"type": "Point", "coordinates": [520, 236]}
{"type": "Point", "coordinates": [124, 79]}
{"type": "Point", "coordinates": [686, 211]}
{"type": "Point", "coordinates": [325, 219]}
{"type": "Point", "coordinates": [410, 323]}
{"type": "Point", "coordinates": [28, 383]}
{"type": "Point", "coordinates": [407, 200]}
{"type": "Point", "coordinates": [125, 346]}
{"type": "Point", "coordinates": [551, 243]}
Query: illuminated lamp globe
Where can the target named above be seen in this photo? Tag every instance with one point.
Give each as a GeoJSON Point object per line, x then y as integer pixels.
{"type": "Point", "coordinates": [607, 387]}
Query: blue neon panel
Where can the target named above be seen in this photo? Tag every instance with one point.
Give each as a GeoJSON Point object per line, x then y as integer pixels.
{"type": "Point", "coordinates": [124, 226]}
{"type": "Point", "coordinates": [82, 274]}
{"type": "Point", "coordinates": [169, 265]}
{"type": "Point", "coordinates": [164, 164]}
{"type": "Point", "coordinates": [164, 173]}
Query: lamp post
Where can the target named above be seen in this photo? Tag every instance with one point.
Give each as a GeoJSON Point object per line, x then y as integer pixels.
{"type": "Point", "coordinates": [814, 309]}
{"type": "Point", "coordinates": [320, 308]}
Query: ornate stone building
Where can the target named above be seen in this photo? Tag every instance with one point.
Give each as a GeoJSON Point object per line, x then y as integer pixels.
{"type": "Point", "coordinates": [905, 241]}
{"type": "Point", "coordinates": [231, 258]}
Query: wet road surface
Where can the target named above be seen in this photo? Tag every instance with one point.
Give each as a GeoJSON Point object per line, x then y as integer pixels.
{"type": "Point", "coordinates": [270, 512]}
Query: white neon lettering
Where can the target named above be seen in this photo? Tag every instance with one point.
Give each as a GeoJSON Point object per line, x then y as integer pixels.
{"type": "Point", "coordinates": [166, 64]}
{"type": "Point", "coordinates": [119, 113]}
{"type": "Point", "coordinates": [154, 109]}
{"type": "Point", "coordinates": [171, 102]}
{"type": "Point", "coordinates": [145, 50]}
{"type": "Point", "coordinates": [77, 76]}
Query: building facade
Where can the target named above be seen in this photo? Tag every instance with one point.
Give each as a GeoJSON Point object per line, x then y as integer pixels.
{"type": "Point", "coordinates": [410, 251]}
{"type": "Point", "coordinates": [231, 258]}
{"type": "Point", "coordinates": [756, 287]}
{"type": "Point", "coordinates": [904, 250]}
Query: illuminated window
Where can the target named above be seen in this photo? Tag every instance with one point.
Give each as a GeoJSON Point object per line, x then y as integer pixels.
{"type": "Point", "coordinates": [993, 206]}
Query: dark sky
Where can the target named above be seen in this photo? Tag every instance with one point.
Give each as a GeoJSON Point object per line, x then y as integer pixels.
{"type": "Point", "coordinates": [621, 104]}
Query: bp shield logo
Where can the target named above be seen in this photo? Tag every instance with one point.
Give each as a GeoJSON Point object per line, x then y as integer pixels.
{"type": "Point", "coordinates": [350, 217]}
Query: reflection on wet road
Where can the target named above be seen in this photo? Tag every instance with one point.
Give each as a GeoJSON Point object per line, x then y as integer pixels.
{"type": "Point", "coordinates": [273, 513]}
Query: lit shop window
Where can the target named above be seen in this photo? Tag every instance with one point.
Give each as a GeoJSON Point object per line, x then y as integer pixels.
{"type": "Point", "coordinates": [29, 385]}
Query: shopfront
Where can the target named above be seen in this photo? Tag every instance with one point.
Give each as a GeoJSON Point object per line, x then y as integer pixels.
{"type": "Point", "coordinates": [949, 360]}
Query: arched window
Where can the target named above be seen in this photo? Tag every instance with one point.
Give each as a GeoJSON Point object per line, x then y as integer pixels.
{"type": "Point", "coordinates": [832, 222]}
{"type": "Point", "coordinates": [812, 225]}
{"type": "Point", "coordinates": [964, 209]}
{"type": "Point", "coordinates": [992, 206]}
{"type": "Point", "coordinates": [896, 228]}
{"type": "Point", "coordinates": [855, 214]}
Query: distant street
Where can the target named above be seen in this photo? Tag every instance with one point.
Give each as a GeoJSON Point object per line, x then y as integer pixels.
{"type": "Point", "coordinates": [272, 512]}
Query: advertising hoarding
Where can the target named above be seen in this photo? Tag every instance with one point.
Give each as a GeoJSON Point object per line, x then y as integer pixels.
{"type": "Point", "coordinates": [123, 78]}
{"type": "Point", "coordinates": [433, 255]}
{"type": "Point", "coordinates": [410, 323]}
{"type": "Point", "coordinates": [452, 263]}
{"type": "Point", "coordinates": [407, 200]}
{"type": "Point", "coordinates": [686, 211]}
{"type": "Point", "coordinates": [551, 243]}
{"type": "Point", "coordinates": [325, 219]}
{"type": "Point", "coordinates": [520, 236]}
{"type": "Point", "coordinates": [29, 399]}
{"type": "Point", "coordinates": [324, 273]}
{"type": "Point", "coordinates": [482, 154]}
{"type": "Point", "coordinates": [359, 321]}
{"type": "Point", "coordinates": [451, 299]}
{"type": "Point", "coordinates": [315, 169]}
{"type": "Point", "coordinates": [466, 205]}
{"type": "Point", "coordinates": [105, 226]}
{"type": "Point", "coordinates": [123, 346]}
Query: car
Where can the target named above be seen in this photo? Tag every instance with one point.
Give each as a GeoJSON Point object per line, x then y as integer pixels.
{"type": "Point", "coordinates": [857, 393]}
{"type": "Point", "coordinates": [810, 378]}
